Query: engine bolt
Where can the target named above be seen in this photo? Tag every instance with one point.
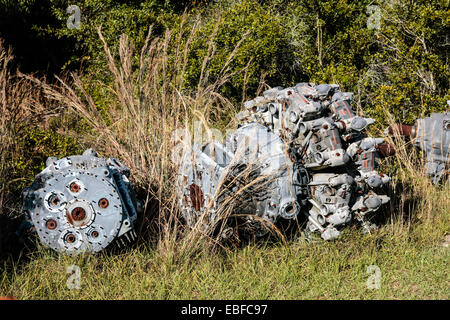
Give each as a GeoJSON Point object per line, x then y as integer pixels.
{"type": "Point", "coordinates": [70, 238]}
{"type": "Point", "coordinates": [74, 187]}
{"type": "Point", "coordinates": [103, 203]}
{"type": "Point", "coordinates": [51, 224]}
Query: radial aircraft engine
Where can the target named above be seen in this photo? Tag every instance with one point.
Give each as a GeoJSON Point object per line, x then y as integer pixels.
{"type": "Point", "coordinates": [82, 203]}
{"type": "Point", "coordinates": [298, 152]}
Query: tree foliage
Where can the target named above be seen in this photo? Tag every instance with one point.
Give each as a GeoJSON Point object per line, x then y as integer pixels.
{"type": "Point", "coordinates": [400, 64]}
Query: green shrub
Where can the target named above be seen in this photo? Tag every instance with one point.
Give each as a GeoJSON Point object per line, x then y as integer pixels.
{"type": "Point", "coordinates": [265, 51]}
{"type": "Point", "coordinates": [33, 145]}
{"type": "Point", "coordinates": [401, 66]}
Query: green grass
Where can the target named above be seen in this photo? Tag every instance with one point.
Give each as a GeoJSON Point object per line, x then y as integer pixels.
{"type": "Point", "coordinates": [414, 265]}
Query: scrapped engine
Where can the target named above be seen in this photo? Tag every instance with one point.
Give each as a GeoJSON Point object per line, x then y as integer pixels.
{"type": "Point", "coordinates": [299, 153]}
{"type": "Point", "coordinates": [82, 203]}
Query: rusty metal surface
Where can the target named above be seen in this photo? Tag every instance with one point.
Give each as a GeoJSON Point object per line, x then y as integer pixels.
{"type": "Point", "coordinates": [81, 203]}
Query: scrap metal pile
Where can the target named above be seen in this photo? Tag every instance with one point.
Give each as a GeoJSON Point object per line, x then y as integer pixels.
{"type": "Point", "coordinates": [299, 154]}
{"type": "Point", "coordinates": [82, 203]}
{"type": "Point", "coordinates": [298, 151]}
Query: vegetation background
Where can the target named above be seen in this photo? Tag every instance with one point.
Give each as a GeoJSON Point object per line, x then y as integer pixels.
{"type": "Point", "coordinates": [136, 70]}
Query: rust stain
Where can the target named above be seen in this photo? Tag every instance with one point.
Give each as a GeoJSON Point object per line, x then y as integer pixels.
{"type": "Point", "coordinates": [196, 195]}
{"type": "Point", "coordinates": [78, 214]}
{"type": "Point", "coordinates": [51, 224]}
{"type": "Point", "coordinates": [70, 238]}
{"type": "Point", "coordinates": [69, 218]}
{"type": "Point", "coordinates": [74, 187]}
{"type": "Point", "coordinates": [103, 203]}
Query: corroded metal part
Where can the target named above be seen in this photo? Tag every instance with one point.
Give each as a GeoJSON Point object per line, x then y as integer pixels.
{"type": "Point", "coordinates": [81, 203]}
{"type": "Point", "coordinates": [322, 164]}
{"type": "Point", "coordinates": [432, 136]}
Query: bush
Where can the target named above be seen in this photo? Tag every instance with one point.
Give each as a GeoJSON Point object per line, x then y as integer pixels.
{"type": "Point", "coordinates": [264, 48]}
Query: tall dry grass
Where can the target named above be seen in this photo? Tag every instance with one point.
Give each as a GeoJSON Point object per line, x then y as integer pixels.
{"type": "Point", "coordinates": [22, 104]}
{"type": "Point", "coordinates": [149, 102]}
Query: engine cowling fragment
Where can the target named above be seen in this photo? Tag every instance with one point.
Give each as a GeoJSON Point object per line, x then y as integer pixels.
{"type": "Point", "coordinates": [82, 203]}
{"type": "Point", "coordinates": [328, 172]}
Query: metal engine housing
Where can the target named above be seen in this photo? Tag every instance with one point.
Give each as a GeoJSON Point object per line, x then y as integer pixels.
{"type": "Point", "coordinates": [82, 203]}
